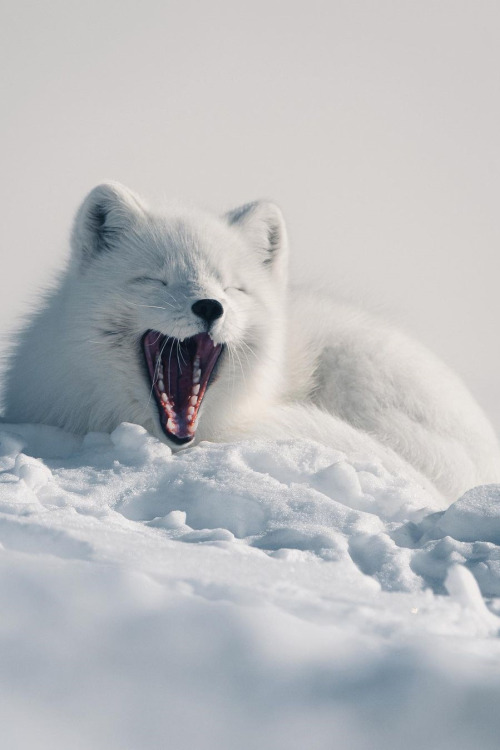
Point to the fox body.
(185, 323)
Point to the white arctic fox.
(184, 323)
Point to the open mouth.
(180, 373)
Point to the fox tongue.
(182, 386)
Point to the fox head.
(181, 313)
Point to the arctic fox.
(184, 322)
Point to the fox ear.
(107, 211)
(263, 225)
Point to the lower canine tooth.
(170, 424)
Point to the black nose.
(208, 309)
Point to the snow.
(475, 516)
(254, 595)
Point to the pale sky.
(374, 125)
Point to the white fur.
(295, 363)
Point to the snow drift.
(258, 594)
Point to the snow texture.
(252, 595)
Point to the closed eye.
(141, 279)
(236, 289)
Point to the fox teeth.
(170, 424)
(161, 385)
(190, 410)
(196, 375)
(196, 390)
(164, 398)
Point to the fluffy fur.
(295, 363)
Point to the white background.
(374, 125)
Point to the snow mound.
(475, 517)
(257, 594)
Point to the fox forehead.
(190, 248)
